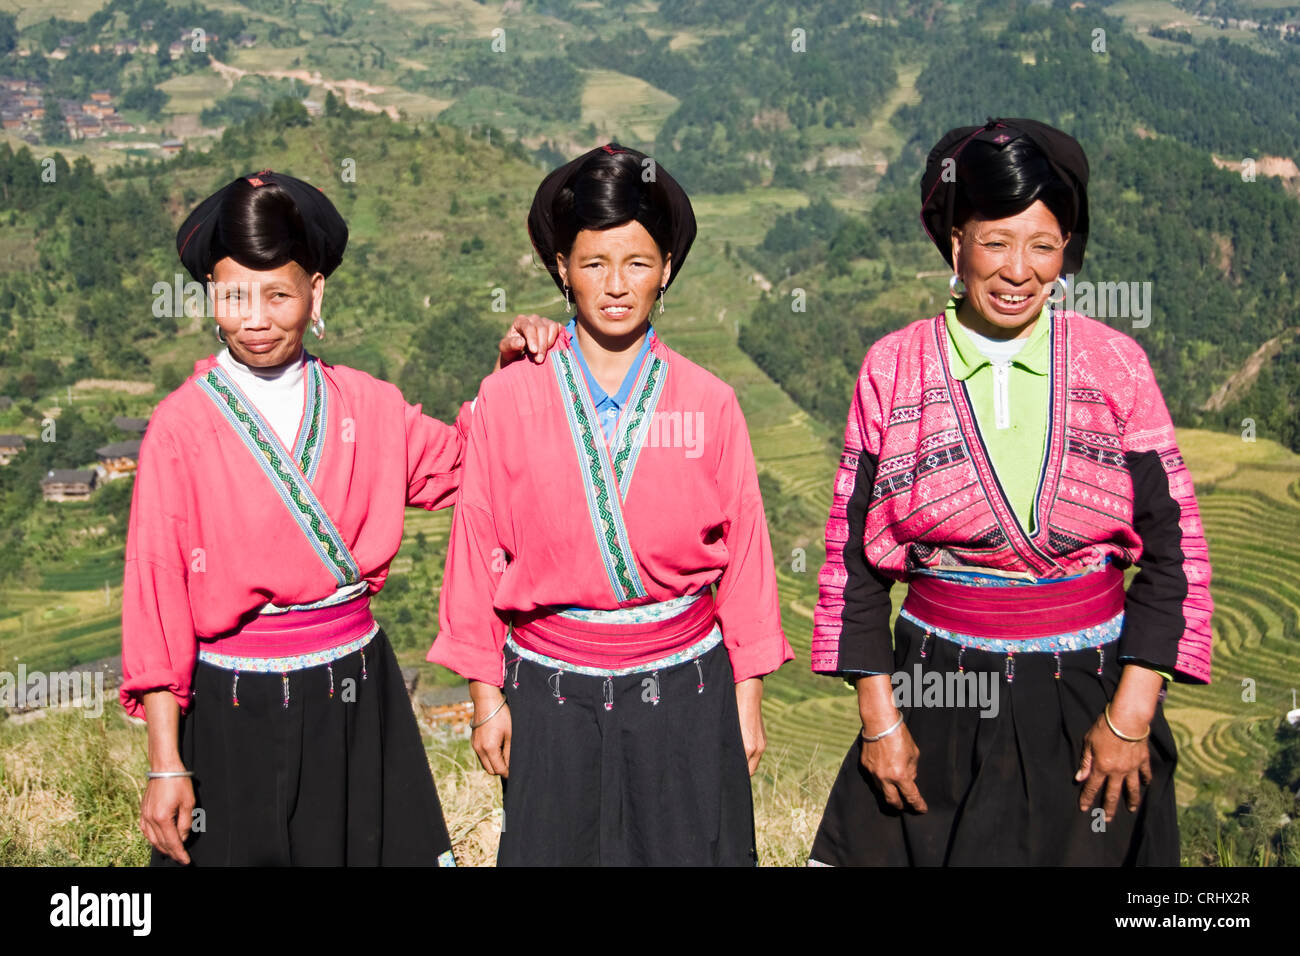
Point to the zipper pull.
(1001, 409)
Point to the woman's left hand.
(529, 335)
(749, 701)
(1111, 761)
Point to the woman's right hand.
(167, 814)
(167, 809)
(891, 761)
(491, 740)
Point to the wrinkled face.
(264, 313)
(615, 275)
(1009, 265)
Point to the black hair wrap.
(1063, 154)
(542, 227)
(325, 233)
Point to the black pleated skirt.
(324, 780)
(657, 778)
(1000, 789)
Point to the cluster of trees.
(8, 32)
(815, 234)
(253, 96)
(773, 72)
(1045, 64)
(536, 90)
(96, 250)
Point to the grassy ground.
(30, 12)
(624, 108)
(70, 790)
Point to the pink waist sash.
(609, 644)
(299, 632)
(1014, 612)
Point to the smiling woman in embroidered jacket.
(1007, 461)
(267, 506)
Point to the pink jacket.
(210, 538)
(915, 489)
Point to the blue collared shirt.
(608, 406)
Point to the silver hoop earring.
(221, 336)
(1057, 298)
(318, 327)
(953, 284)
(568, 306)
(661, 298)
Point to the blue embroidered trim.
(641, 614)
(707, 643)
(280, 665)
(970, 575)
(1094, 636)
(340, 596)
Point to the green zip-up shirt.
(1015, 451)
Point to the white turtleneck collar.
(276, 392)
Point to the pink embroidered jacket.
(680, 508)
(215, 531)
(915, 489)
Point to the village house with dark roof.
(119, 459)
(67, 484)
(11, 445)
(132, 426)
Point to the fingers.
(754, 755)
(530, 338)
(909, 792)
(893, 771)
(1085, 767)
(484, 760)
(1132, 783)
(158, 822)
(489, 755)
(492, 745)
(1090, 788)
(185, 815)
(890, 793)
(160, 810)
(147, 829)
(1114, 784)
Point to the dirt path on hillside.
(1244, 376)
(352, 92)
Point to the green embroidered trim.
(306, 514)
(305, 461)
(628, 444)
(607, 525)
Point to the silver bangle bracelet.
(489, 716)
(163, 774)
(898, 723)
